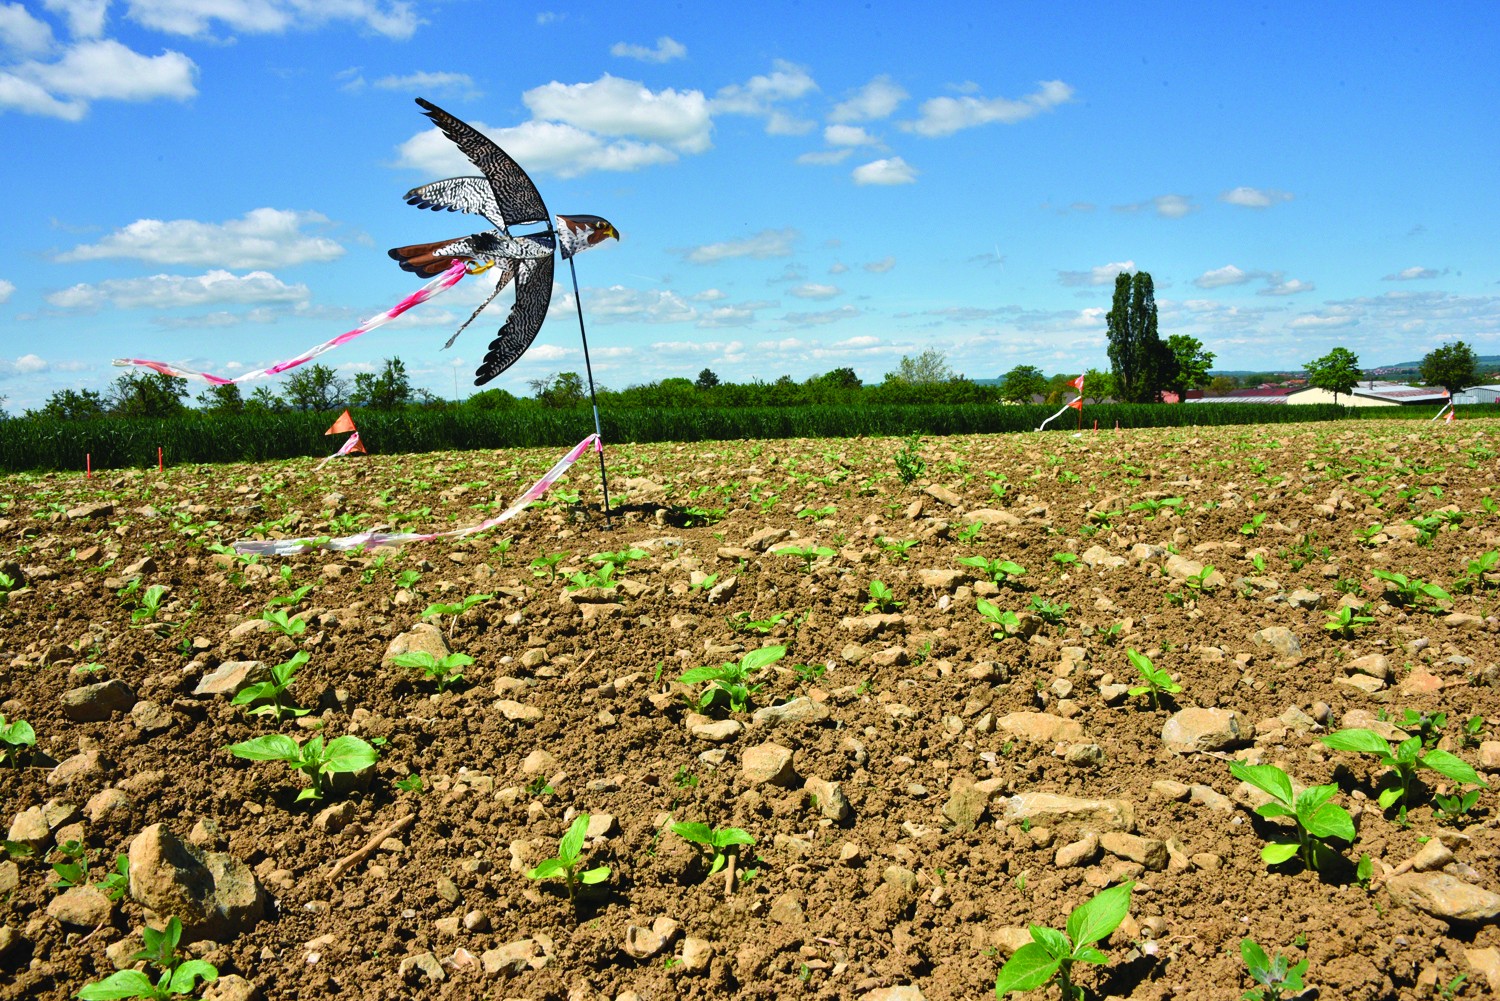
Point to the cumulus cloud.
(942, 116)
(263, 237)
(1276, 285)
(1411, 274)
(1327, 321)
(875, 100)
(1104, 274)
(1254, 198)
(812, 290)
(7, 289)
(85, 17)
(891, 170)
(1166, 206)
(391, 18)
(21, 33)
(666, 50)
(612, 106)
(825, 158)
(545, 147)
(1227, 275)
(171, 291)
(618, 304)
(822, 318)
(431, 83)
(786, 81)
(767, 243)
(848, 135)
(97, 70)
(881, 266)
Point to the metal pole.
(588, 367)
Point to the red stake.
(158, 459)
(88, 465)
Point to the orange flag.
(1450, 418)
(1077, 383)
(343, 425)
(1077, 404)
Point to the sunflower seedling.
(1346, 620)
(1157, 681)
(17, 741)
(179, 978)
(455, 609)
(149, 604)
(730, 679)
(273, 691)
(1048, 611)
(1000, 572)
(714, 840)
(314, 759)
(897, 548)
(279, 621)
(73, 868)
(291, 599)
(619, 560)
(807, 554)
(1316, 818)
(1410, 590)
(1008, 621)
(1050, 955)
(1404, 760)
(1474, 574)
(445, 672)
(1251, 528)
(881, 598)
(117, 884)
(1275, 976)
(569, 852)
(546, 566)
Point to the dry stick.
(390, 830)
(729, 874)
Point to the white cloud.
(839, 267)
(1254, 198)
(765, 244)
(1414, 273)
(453, 83)
(821, 318)
(848, 135)
(618, 304)
(21, 33)
(7, 289)
(263, 237)
(612, 106)
(780, 123)
(881, 266)
(709, 295)
(876, 99)
(892, 170)
(825, 158)
(1290, 286)
(545, 147)
(95, 71)
(170, 291)
(1334, 321)
(85, 17)
(29, 363)
(1173, 206)
(1227, 275)
(1104, 274)
(786, 81)
(813, 290)
(666, 50)
(391, 18)
(942, 116)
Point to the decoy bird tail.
(425, 258)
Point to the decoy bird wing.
(515, 195)
(533, 296)
(459, 194)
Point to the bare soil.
(911, 888)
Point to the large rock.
(1102, 559)
(1197, 729)
(829, 798)
(799, 710)
(1279, 639)
(1444, 896)
(96, 703)
(1041, 728)
(768, 763)
(232, 676)
(423, 637)
(1050, 809)
(212, 894)
(80, 907)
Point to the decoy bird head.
(589, 229)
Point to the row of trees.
(1451, 367)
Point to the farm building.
(1263, 394)
(1373, 393)
(1478, 394)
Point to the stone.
(424, 637)
(1376, 665)
(1050, 809)
(602, 825)
(829, 798)
(1489, 755)
(786, 909)
(1197, 729)
(1041, 728)
(85, 512)
(943, 580)
(1486, 963)
(696, 954)
(723, 590)
(81, 907)
(865, 626)
(80, 767)
(30, 828)
(992, 516)
(899, 877)
(1444, 896)
(98, 702)
(1433, 855)
(767, 763)
(518, 712)
(643, 943)
(231, 987)
(511, 958)
(539, 762)
(422, 966)
(766, 538)
(1361, 682)
(801, 710)
(1080, 852)
(1101, 559)
(1181, 568)
(214, 895)
(232, 676)
(1305, 599)
(1279, 640)
(150, 717)
(10, 877)
(906, 992)
(715, 731)
(1149, 852)
(966, 805)
(333, 819)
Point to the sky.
(798, 186)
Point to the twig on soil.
(729, 874)
(390, 830)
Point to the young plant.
(1008, 621)
(291, 599)
(1251, 528)
(1050, 955)
(569, 852)
(807, 554)
(898, 548)
(1152, 505)
(1473, 576)
(1275, 976)
(741, 622)
(273, 691)
(730, 679)
(179, 977)
(619, 560)
(149, 604)
(1199, 581)
(73, 868)
(999, 571)
(315, 760)
(713, 840)
(279, 621)
(881, 598)
(1048, 611)
(1316, 818)
(604, 578)
(455, 609)
(1455, 809)
(1346, 620)
(909, 462)
(1258, 562)
(547, 566)
(1065, 559)
(1410, 590)
(17, 741)
(706, 584)
(117, 884)
(969, 534)
(1404, 760)
(1157, 681)
(445, 672)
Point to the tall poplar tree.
(1143, 366)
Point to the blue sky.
(799, 186)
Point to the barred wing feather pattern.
(515, 196)
(533, 296)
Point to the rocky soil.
(921, 782)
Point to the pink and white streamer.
(371, 539)
(1064, 410)
(441, 283)
(344, 449)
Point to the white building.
(1373, 393)
(1478, 394)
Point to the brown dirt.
(909, 722)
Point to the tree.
(388, 390)
(222, 399)
(1142, 364)
(1021, 383)
(1191, 361)
(706, 379)
(558, 391)
(1452, 366)
(150, 394)
(316, 388)
(71, 405)
(1221, 385)
(840, 378)
(1337, 371)
(929, 366)
(1099, 386)
(265, 400)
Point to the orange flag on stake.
(343, 425)
(1077, 383)
(1077, 404)
(1450, 418)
